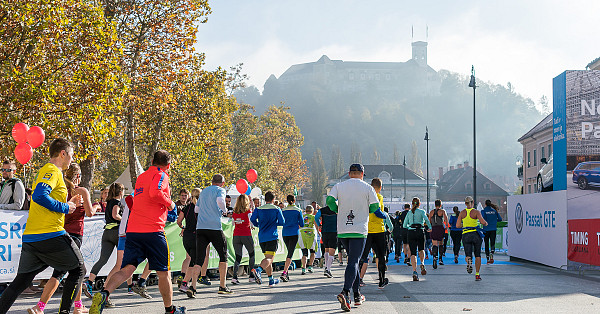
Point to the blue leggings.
(354, 248)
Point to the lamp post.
(472, 84)
(427, 141)
(404, 176)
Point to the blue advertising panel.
(559, 132)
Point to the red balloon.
(19, 132)
(242, 186)
(251, 175)
(35, 136)
(23, 153)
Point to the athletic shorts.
(204, 237)
(329, 240)
(416, 241)
(437, 233)
(60, 253)
(340, 246)
(121, 244)
(152, 246)
(269, 246)
(189, 244)
(404, 235)
(78, 239)
(472, 243)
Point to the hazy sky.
(526, 43)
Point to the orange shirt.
(151, 202)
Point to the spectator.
(12, 195)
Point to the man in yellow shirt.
(45, 241)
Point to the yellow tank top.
(469, 222)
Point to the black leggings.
(305, 252)
(239, 242)
(445, 244)
(456, 236)
(110, 240)
(290, 244)
(377, 242)
(490, 241)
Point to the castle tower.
(419, 52)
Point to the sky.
(526, 43)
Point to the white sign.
(12, 225)
(537, 227)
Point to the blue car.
(587, 174)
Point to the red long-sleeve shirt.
(152, 201)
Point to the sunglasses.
(7, 170)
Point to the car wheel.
(540, 185)
(582, 183)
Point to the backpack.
(27, 199)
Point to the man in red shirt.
(145, 234)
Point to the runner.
(242, 234)
(404, 234)
(438, 219)
(45, 241)
(74, 226)
(468, 220)
(290, 232)
(490, 214)
(145, 234)
(110, 237)
(327, 220)
(415, 222)
(267, 218)
(352, 200)
(397, 236)
(376, 239)
(308, 239)
(184, 199)
(341, 250)
(210, 208)
(446, 235)
(455, 233)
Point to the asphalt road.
(506, 287)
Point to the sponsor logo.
(519, 218)
(47, 176)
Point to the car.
(545, 177)
(587, 174)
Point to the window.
(529, 189)
(528, 159)
(487, 186)
(468, 187)
(535, 157)
(549, 149)
(543, 154)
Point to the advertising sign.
(537, 227)
(584, 241)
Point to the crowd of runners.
(354, 220)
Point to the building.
(457, 183)
(412, 76)
(394, 184)
(537, 144)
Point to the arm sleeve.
(317, 217)
(41, 195)
(499, 217)
(221, 204)
(389, 223)
(254, 218)
(405, 222)
(280, 218)
(378, 212)
(331, 202)
(159, 190)
(373, 200)
(374, 207)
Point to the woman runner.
(438, 219)
(242, 234)
(415, 221)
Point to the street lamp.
(427, 141)
(404, 176)
(472, 84)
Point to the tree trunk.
(155, 140)
(131, 148)
(87, 172)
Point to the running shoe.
(129, 290)
(435, 263)
(423, 270)
(384, 283)
(491, 260)
(225, 290)
(183, 288)
(441, 262)
(204, 280)
(477, 278)
(251, 279)
(87, 289)
(109, 303)
(179, 280)
(257, 276)
(99, 301)
(80, 310)
(341, 263)
(235, 281)
(177, 310)
(455, 259)
(344, 301)
(285, 277)
(328, 274)
(191, 292)
(143, 292)
(426, 256)
(359, 299)
(310, 269)
(361, 283)
(407, 261)
(469, 265)
(273, 282)
(303, 271)
(415, 276)
(34, 310)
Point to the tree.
(375, 158)
(355, 154)
(60, 70)
(337, 163)
(396, 160)
(414, 162)
(318, 176)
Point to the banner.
(538, 227)
(12, 225)
(584, 241)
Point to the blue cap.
(357, 167)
